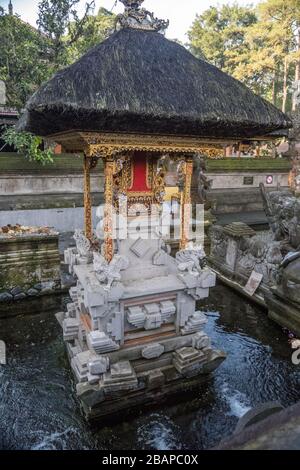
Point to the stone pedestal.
(132, 330)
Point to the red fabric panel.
(139, 173)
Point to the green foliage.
(56, 18)
(28, 57)
(22, 66)
(219, 30)
(28, 145)
(96, 29)
(259, 46)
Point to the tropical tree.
(260, 47)
(95, 30)
(283, 19)
(56, 18)
(219, 31)
(22, 64)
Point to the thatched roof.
(139, 81)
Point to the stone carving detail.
(283, 212)
(201, 340)
(83, 245)
(159, 258)
(187, 360)
(203, 183)
(121, 377)
(167, 309)
(274, 254)
(100, 342)
(138, 18)
(114, 327)
(288, 278)
(151, 316)
(153, 351)
(98, 365)
(140, 247)
(115, 316)
(191, 259)
(136, 316)
(70, 328)
(195, 323)
(260, 253)
(79, 364)
(109, 272)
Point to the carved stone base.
(131, 338)
(283, 312)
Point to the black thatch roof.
(139, 81)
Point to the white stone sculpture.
(191, 259)
(83, 245)
(109, 272)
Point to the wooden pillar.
(88, 228)
(108, 209)
(186, 204)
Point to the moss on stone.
(248, 164)
(11, 162)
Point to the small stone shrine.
(133, 330)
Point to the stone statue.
(283, 212)
(203, 183)
(191, 259)
(139, 18)
(83, 245)
(288, 277)
(109, 272)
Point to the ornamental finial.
(138, 18)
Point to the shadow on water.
(39, 410)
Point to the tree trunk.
(285, 84)
(274, 88)
(297, 69)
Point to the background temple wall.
(32, 194)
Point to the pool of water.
(39, 410)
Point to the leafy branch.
(27, 144)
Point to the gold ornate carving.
(87, 198)
(108, 210)
(186, 203)
(112, 145)
(88, 165)
(212, 152)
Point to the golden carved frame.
(115, 150)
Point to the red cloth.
(139, 174)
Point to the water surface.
(39, 410)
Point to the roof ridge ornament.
(139, 18)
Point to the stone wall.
(235, 182)
(13, 185)
(19, 176)
(29, 186)
(51, 195)
(29, 266)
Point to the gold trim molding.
(111, 145)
